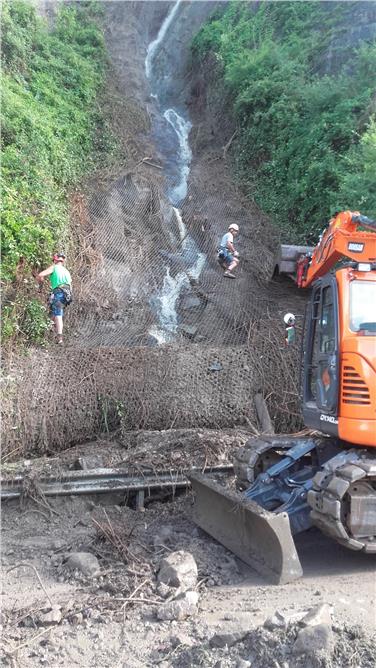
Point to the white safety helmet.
(289, 319)
(234, 226)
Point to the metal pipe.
(100, 481)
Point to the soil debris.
(345, 646)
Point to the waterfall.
(153, 46)
(182, 129)
(165, 300)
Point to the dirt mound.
(181, 448)
(138, 452)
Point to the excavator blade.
(260, 538)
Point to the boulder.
(179, 569)
(320, 614)
(85, 562)
(313, 639)
(180, 608)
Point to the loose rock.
(281, 620)
(54, 616)
(227, 638)
(85, 562)
(313, 639)
(89, 462)
(163, 537)
(320, 614)
(76, 619)
(182, 607)
(179, 569)
(164, 590)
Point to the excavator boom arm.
(342, 239)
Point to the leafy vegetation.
(302, 100)
(51, 79)
(25, 318)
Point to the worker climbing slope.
(61, 291)
(228, 257)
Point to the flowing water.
(155, 44)
(172, 133)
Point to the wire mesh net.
(157, 337)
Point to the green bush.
(25, 318)
(306, 139)
(51, 80)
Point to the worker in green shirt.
(61, 291)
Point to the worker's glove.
(236, 254)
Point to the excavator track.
(257, 455)
(343, 501)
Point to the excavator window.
(321, 352)
(363, 306)
(315, 341)
(327, 328)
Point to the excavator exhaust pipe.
(260, 538)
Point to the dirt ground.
(98, 625)
(55, 617)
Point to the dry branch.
(227, 146)
(263, 415)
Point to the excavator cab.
(320, 368)
(339, 355)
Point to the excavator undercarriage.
(287, 485)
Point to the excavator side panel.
(260, 538)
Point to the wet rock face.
(357, 21)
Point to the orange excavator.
(326, 478)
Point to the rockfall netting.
(156, 337)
